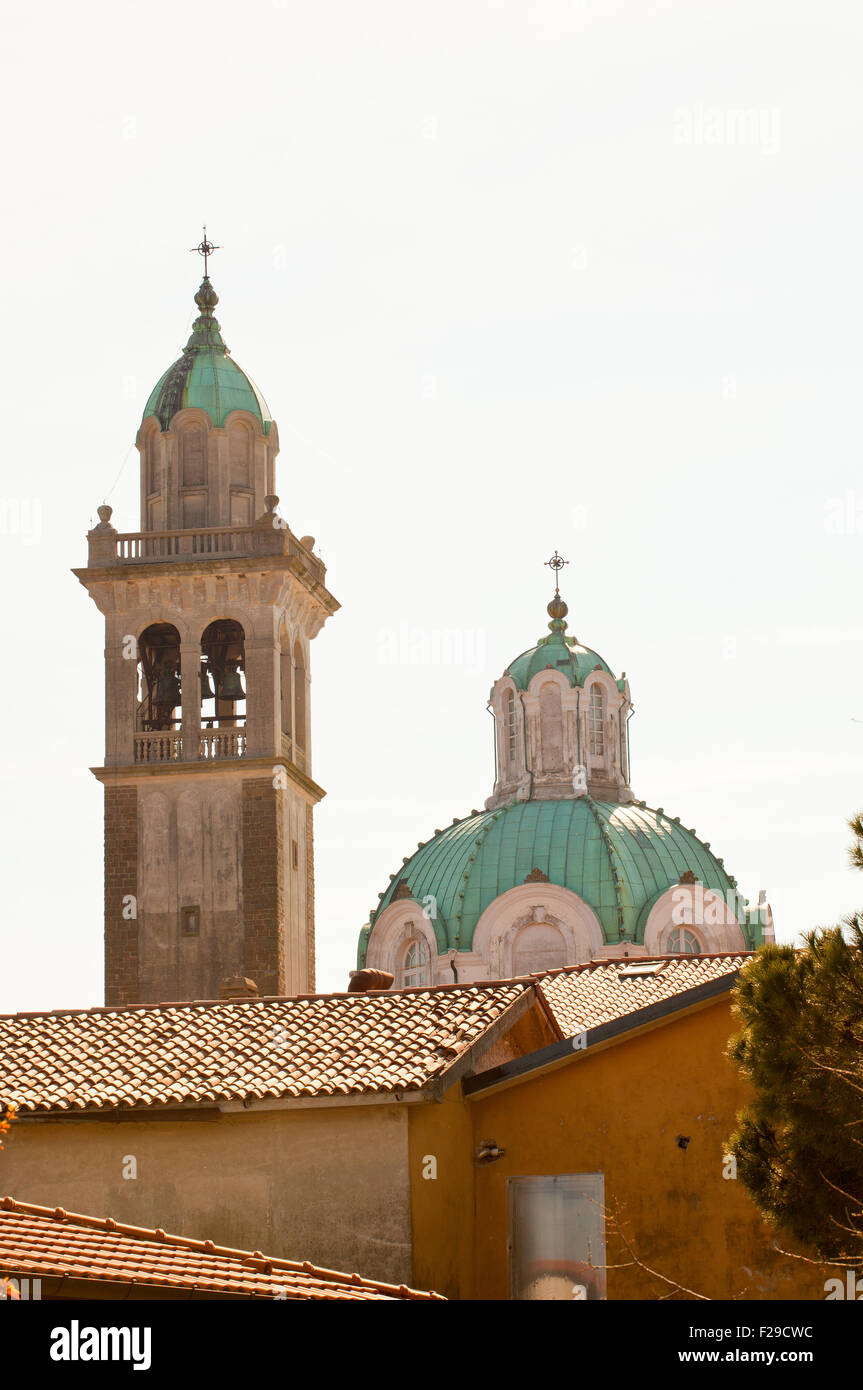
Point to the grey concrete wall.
(189, 856)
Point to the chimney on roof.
(362, 981)
(238, 987)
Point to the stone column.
(263, 703)
(121, 680)
(190, 680)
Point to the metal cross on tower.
(205, 248)
(556, 564)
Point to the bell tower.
(210, 610)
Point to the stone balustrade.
(159, 746)
(171, 545)
(222, 743)
(267, 536)
(166, 746)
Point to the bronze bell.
(207, 691)
(231, 688)
(168, 689)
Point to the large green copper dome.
(206, 375)
(618, 858)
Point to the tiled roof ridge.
(254, 1259)
(588, 965)
(352, 996)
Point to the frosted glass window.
(415, 964)
(557, 1237)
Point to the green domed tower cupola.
(206, 376)
(207, 440)
(564, 865)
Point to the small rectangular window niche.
(191, 921)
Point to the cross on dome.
(557, 609)
(206, 248)
(556, 564)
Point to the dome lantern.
(560, 720)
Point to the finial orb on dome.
(206, 298)
(557, 609)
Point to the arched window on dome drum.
(415, 963)
(551, 727)
(240, 446)
(158, 691)
(240, 451)
(192, 455)
(154, 464)
(595, 715)
(511, 729)
(681, 942)
(223, 663)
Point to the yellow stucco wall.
(618, 1112)
(326, 1185)
(442, 1198)
(443, 1216)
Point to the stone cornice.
(198, 567)
(132, 774)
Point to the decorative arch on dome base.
(699, 913)
(505, 936)
(399, 924)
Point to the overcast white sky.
(512, 276)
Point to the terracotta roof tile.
(46, 1243)
(585, 996)
(243, 1050)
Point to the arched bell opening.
(158, 692)
(223, 664)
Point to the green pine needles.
(799, 1144)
